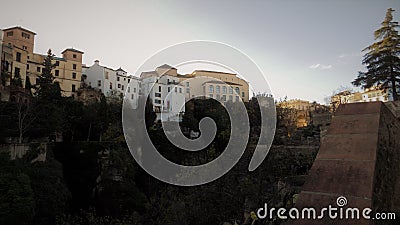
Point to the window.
(159, 88)
(56, 73)
(129, 89)
(211, 88)
(230, 98)
(187, 90)
(124, 79)
(132, 96)
(117, 78)
(169, 89)
(74, 66)
(223, 89)
(106, 75)
(158, 101)
(217, 89)
(211, 96)
(218, 97)
(73, 75)
(157, 95)
(237, 90)
(18, 57)
(237, 98)
(25, 35)
(122, 87)
(9, 34)
(187, 84)
(57, 63)
(134, 90)
(119, 85)
(17, 72)
(24, 47)
(243, 94)
(99, 83)
(74, 56)
(27, 66)
(230, 90)
(110, 85)
(129, 80)
(73, 88)
(180, 90)
(223, 98)
(176, 89)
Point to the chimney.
(96, 62)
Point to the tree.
(48, 99)
(45, 87)
(382, 59)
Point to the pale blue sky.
(305, 48)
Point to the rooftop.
(166, 66)
(120, 69)
(208, 71)
(72, 50)
(19, 28)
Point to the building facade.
(21, 61)
(165, 92)
(218, 85)
(368, 95)
(112, 82)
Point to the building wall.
(65, 73)
(20, 37)
(166, 94)
(229, 78)
(113, 82)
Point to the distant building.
(20, 60)
(374, 94)
(166, 93)
(112, 82)
(305, 112)
(368, 95)
(224, 86)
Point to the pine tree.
(382, 59)
(46, 88)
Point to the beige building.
(368, 95)
(303, 111)
(225, 86)
(29, 65)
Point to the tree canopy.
(382, 59)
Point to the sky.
(306, 49)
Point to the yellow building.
(27, 64)
(14, 54)
(301, 111)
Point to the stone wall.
(359, 159)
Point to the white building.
(111, 82)
(166, 94)
(374, 94)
